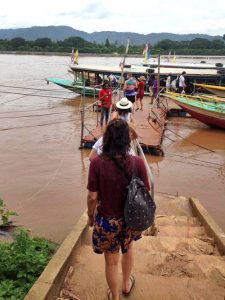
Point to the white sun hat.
(124, 103)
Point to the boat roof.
(185, 65)
(141, 69)
(109, 69)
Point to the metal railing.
(139, 151)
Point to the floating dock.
(149, 125)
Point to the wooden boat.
(214, 89)
(202, 108)
(77, 86)
(85, 75)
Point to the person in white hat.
(124, 108)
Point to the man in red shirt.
(105, 96)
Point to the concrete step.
(88, 280)
(182, 245)
(160, 288)
(178, 264)
(165, 220)
(181, 231)
(175, 206)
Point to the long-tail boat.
(214, 89)
(207, 109)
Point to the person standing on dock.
(105, 96)
(168, 82)
(106, 200)
(140, 91)
(123, 108)
(182, 84)
(153, 87)
(130, 88)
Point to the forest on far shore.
(198, 46)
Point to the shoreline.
(108, 55)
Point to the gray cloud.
(91, 11)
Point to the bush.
(21, 263)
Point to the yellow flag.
(76, 57)
(174, 58)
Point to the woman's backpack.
(139, 210)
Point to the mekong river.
(43, 173)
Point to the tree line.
(198, 46)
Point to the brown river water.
(43, 173)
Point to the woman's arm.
(93, 154)
(92, 198)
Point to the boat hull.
(212, 114)
(75, 87)
(211, 119)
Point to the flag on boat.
(174, 58)
(169, 56)
(76, 57)
(72, 56)
(146, 53)
(122, 63)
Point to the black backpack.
(139, 210)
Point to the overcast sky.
(146, 16)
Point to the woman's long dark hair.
(116, 140)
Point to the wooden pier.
(149, 125)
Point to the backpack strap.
(133, 167)
(123, 170)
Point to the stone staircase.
(178, 262)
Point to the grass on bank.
(21, 263)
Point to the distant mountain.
(58, 33)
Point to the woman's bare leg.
(111, 273)
(127, 265)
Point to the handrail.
(147, 167)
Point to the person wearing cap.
(130, 87)
(140, 91)
(123, 107)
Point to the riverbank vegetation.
(22, 258)
(198, 46)
(21, 263)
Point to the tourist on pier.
(182, 84)
(112, 80)
(123, 108)
(98, 79)
(105, 96)
(168, 82)
(140, 91)
(106, 200)
(130, 88)
(153, 87)
(175, 84)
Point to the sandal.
(109, 294)
(132, 279)
(137, 109)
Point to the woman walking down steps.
(177, 260)
(106, 190)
